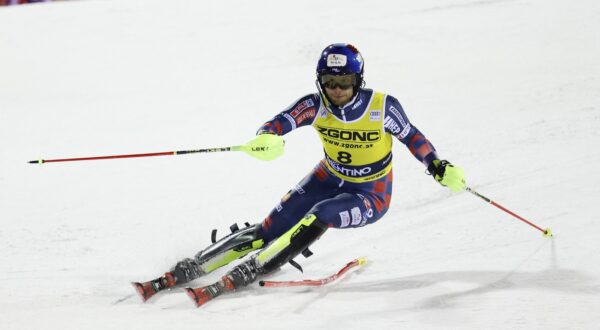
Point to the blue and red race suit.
(352, 186)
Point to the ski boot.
(238, 277)
(229, 248)
(276, 254)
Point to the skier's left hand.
(447, 174)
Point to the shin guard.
(289, 245)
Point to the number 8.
(344, 157)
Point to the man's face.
(339, 89)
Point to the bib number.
(344, 157)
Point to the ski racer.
(349, 188)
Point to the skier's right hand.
(265, 146)
(447, 174)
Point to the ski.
(147, 290)
(352, 264)
(144, 290)
(204, 294)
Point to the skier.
(351, 187)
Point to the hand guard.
(265, 146)
(447, 174)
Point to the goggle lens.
(343, 82)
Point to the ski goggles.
(343, 82)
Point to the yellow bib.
(358, 150)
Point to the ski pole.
(166, 153)
(547, 232)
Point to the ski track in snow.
(508, 90)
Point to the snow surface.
(508, 90)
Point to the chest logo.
(349, 135)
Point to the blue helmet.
(341, 59)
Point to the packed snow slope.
(508, 90)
